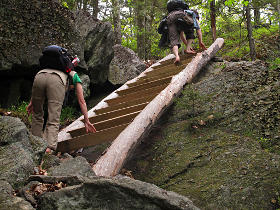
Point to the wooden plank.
(90, 139)
(184, 57)
(144, 86)
(147, 78)
(110, 163)
(126, 104)
(166, 71)
(116, 113)
(106, 124)
(133, 96)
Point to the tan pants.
(47, 86)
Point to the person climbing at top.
(187, 36)
(179, 10)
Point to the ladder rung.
(90, 139)
(133, 96)
(126, 104)
(106, 124)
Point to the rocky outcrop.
(221, 148)
(26, 27)
(20, 151)
(124, 66)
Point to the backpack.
(163, 28)
(56, 57)
(173, 5)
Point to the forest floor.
(220, 149)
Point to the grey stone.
(116, 193)
(20, 151)
(72, 167)
(124, 66)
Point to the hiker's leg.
(174, 35)
(183, 38)
(38, 99)
(55, 95)
(189, 36)
(189, 47)
(175, 50)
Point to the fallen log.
(122, 147)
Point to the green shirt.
(76, 79)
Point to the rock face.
(26, 27)
(221, 149)
(20, 151)
(124, 66)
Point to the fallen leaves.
(40, 171)
(127, 173)
(40, 188)
(5, 113)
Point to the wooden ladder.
(126, 115)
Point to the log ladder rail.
(127, 115)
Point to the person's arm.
(80, 96)
(201, 44)
(29, 108)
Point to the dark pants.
(175, 28)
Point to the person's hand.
(202, 46)
(90, 127)
(29, 108)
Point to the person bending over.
(50, 85)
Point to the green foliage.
(275, 64)
(21, 107)
(65, 4)
(70, 4)
(19, 111)
(270, 145)
(68, 113)
(140, 20)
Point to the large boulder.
(27, 26)
(75, 186)
(116, 193)
(124, 66)
(20, 151)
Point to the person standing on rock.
(50, 84)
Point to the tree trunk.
(149, 32)
(117, 21)
(85, 4)
(95, 8)
(113, 160)
(250, 34)
(213, 19)
(140, 23)
(278, 10)
(257, 16)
